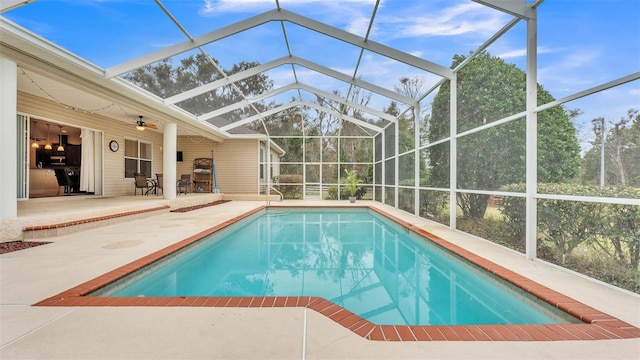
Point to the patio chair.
(63, 181)
(141, 182)
(184, 184)
(159, 180)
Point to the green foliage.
(489, 89)
(434, 205)
(599, 265)
(166, 79)
(564, 225)
(351, 182)
(332, 193)
(290, 185)
(514, 210)
(492, 228)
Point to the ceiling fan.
(141, 125)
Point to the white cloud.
(460, 19)
(217, 6)
(570, 72)
(359, 26)
(517, 53)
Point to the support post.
(453, 150)
(169, 143)
(531, 138)
(8, 138)
(416, 159)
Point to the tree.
(622, 151)
(489, 89)
(165, 79)
(415, 88)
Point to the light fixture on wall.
(60, 147)
(140, 124)
(35, 144)
(48, 146)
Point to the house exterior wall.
(236, 162)
(236, 159)
(115, 184)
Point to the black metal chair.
(184, 184)
(159, 180)
(63, 181)
(141, 182)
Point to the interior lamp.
(35, 144)
(48, 146)
(60, 147)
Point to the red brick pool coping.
(597, 325)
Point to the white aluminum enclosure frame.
(519, 9)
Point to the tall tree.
(489, 89)
(622, 151)
(166, 79)
(414, 88)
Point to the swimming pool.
(353, 258)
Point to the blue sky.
(581, 43)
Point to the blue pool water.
(355, 258)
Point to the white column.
(532, 138)
(169, 141)
(9, 155)
(416, 159)
(453, 150)
(383, 178)
(396, 163)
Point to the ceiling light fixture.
(35, 144)
(48, 146)
(140, 124)
(60, 147)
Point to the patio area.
(31, 275)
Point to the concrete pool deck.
(34, 274)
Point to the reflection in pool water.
(354, 258)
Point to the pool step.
(51, 230)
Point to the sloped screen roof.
(314, 64)
(233, 63)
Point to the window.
(261, 163)
(137, 158)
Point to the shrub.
(290, 185)
(434, 205)
(491, 228)
(332, 193)
(610, 232)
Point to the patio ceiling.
(303, 78)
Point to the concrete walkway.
(30, 275)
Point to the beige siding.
(114, 181)
(236, 162)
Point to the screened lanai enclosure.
(505, 119)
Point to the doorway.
(63, 160)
